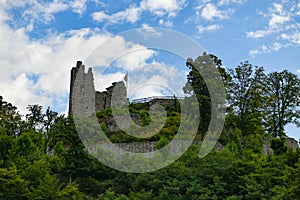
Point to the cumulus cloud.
(39, 71)
(48, 61)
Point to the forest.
(42, 156)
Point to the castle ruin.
(91, 101)
(99, 100)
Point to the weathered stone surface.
(82, 94)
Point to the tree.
(10, 119)
(196, 85)
(245, 94)
(283, 101)
(12, 185)
(35, 117)
(50, 117)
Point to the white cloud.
(298, 71)
(21, 91)
(275, 46)
(254, 52)
(278, 15)
(162, 7)
(147, 79)
(129, 15)
(170, 8)
(38, 72)
(210, 12)
(100, 16)
(277, 8)
(202, 29)
(103, 81)
(34, 11)
(78, 6)
(135, 58)
(166, 23)
(155, 79)
(43, 12)
(278, 20)
(227, 2)
(294, 38)
(149, 32)
(259, 33)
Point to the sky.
(42, 39)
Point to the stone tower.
(82, 91)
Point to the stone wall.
(145, 147)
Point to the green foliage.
(12, 185)
(283, 92)
(278, 146)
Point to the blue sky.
(41, 40)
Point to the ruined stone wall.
(144, 147)
(117, 93)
